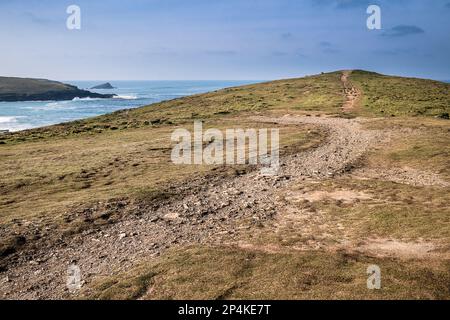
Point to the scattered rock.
(122, 235)
(171, 216)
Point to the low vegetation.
(233, 273)
(390, 96)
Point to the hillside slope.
(358, 186)
(377, 95)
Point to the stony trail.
(213, 211)
(351, 93)
(213, 214)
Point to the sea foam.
(8, 119)
(125, 97)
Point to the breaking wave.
(125, 97)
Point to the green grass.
(397, 96)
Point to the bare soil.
(351, 92)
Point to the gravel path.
(218, 211)
(351, 93)
(212, 211)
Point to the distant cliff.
(26, 89)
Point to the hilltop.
(365, 180)
(27, 89)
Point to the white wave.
(8, 119)
(17, 127)
(85, 99)
(55, 105)
(125, 96)
(10, 123)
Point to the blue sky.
(222, 39)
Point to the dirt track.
(213, 214)
(351, 93)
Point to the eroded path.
(218, 211)
(351, 92)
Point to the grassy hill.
(384, 96)
(27, 89)
(30, 86)
(69, 180)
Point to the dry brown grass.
(419, 143)
(391, 210)
(232, 273)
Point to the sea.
(15, 116)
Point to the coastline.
(19, 116)
(128, 97)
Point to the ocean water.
(15, 116)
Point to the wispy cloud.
(287, 36)
(402, 31)
(395, 52)
(221, 39)
(325, 44)
(221, 52)
(279, 53)
(328, 47)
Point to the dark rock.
(444, 115)
(106, 85)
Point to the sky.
(222, 39)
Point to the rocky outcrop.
(106, 85)
(26, 89)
